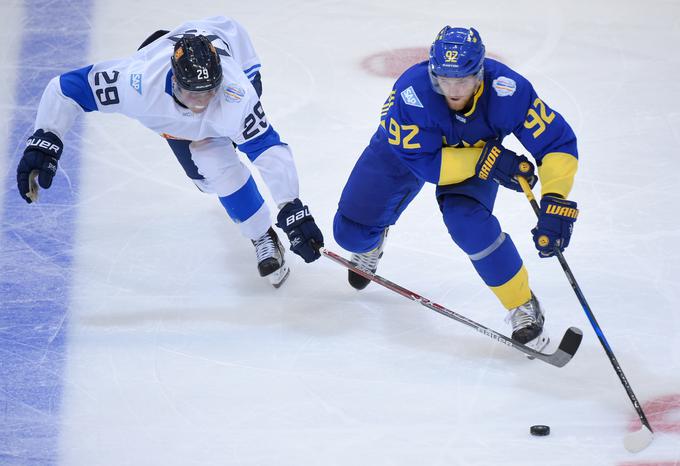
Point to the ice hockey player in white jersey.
(198, 86)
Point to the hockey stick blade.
(638, 440)
(568, 345)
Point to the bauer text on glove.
(305, 237)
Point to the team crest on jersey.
(136, 82)
(504, 86)
(410, 97)
(233, 92)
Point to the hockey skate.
(527, 325)
(270, 258)
(367, 261)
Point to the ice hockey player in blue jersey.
(198, 86)
(444, 122)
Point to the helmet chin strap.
(174, 94)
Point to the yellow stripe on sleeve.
(557, 173)
(458, 164)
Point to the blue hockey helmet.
(456, 53)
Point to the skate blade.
(356, 281)
(538, 344)
(278, 276)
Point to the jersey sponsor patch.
(136, 82)
(410, 97)
(504, 86)
(233, 92)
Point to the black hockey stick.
(568, 346)
(634, 441)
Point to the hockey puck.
(540, 430)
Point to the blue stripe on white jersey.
(250, 71)
(75, 85)
(254, 148)
(168, 82)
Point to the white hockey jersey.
(140, 86)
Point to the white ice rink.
(173, 351)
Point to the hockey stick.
(568, 346)
(33, 187)
(634, 441)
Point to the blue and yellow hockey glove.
(502, 165)
(555, 224)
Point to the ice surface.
(145, 335)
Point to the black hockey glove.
(41, 154)
(305, 237)
(503, 165)
(555, 224)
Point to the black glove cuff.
(46, 142)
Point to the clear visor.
(195, 100)
(454, 87)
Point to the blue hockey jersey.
(442, 146)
